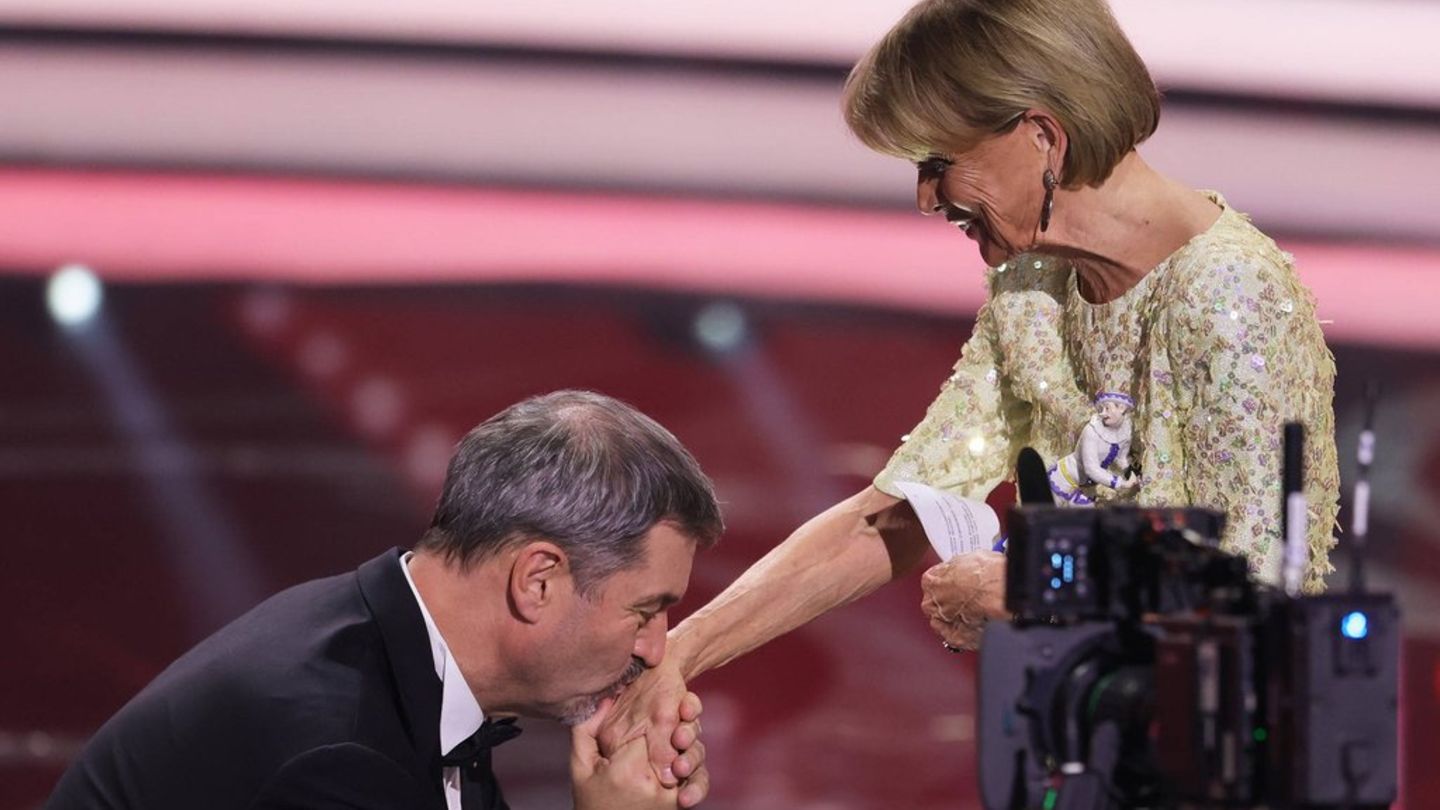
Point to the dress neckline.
(1138, 289)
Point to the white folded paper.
(954, 525)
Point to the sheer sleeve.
(1013, 386)
(964, 442)
(1249, 356)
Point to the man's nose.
(650, 644)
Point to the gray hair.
(584, 471)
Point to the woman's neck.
(1116, 233)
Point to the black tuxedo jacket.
(323, 696)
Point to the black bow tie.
(490, 734)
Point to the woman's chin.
(992, 253)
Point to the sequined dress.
(1218, 344)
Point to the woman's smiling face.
(993, 191)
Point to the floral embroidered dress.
(1218, 345)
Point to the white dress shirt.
(460, 713)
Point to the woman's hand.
(623, 780)
(624, 777)
(658, 710)
(963, 594)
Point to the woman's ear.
(539, 579)
(1049, 137)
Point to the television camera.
(1146, 668)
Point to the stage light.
(323, 355)
(267, 311)
(74, 295)
(721, 327)
(427, 454)
(377, 405)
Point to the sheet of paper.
(954, 525)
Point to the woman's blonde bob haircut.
(955, 71)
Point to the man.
(566, 528)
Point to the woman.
(1023, 118)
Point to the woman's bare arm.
(838, 556)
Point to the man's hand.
(963, 594)
(689, 766)
(651, 708)
(622, 781)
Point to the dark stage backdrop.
(202, 446)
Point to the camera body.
(1146, 668)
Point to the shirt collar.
(460, 712)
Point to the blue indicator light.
(1355, 625)
(1055, 583)
(1069, 569)
(1055, 561)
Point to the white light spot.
(323, 355)
(376, 406)
(74, 295)
(266, 311)
(950, 727)
(427, 455)
(39, 745)
(721, 327)
(977, 445)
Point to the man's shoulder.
(346, 774)
(315, 619)
(298, 661)
(297, 673)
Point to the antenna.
(1360, 520)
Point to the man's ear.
(539, 578)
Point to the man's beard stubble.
(582, 708)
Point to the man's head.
(586, 513)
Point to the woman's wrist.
(680, 650)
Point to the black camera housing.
(1146, 668)
(1067, 565)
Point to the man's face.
(610, 637)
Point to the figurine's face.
(1112, 413)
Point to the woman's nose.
(927, 196)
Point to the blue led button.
(1355, 625)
